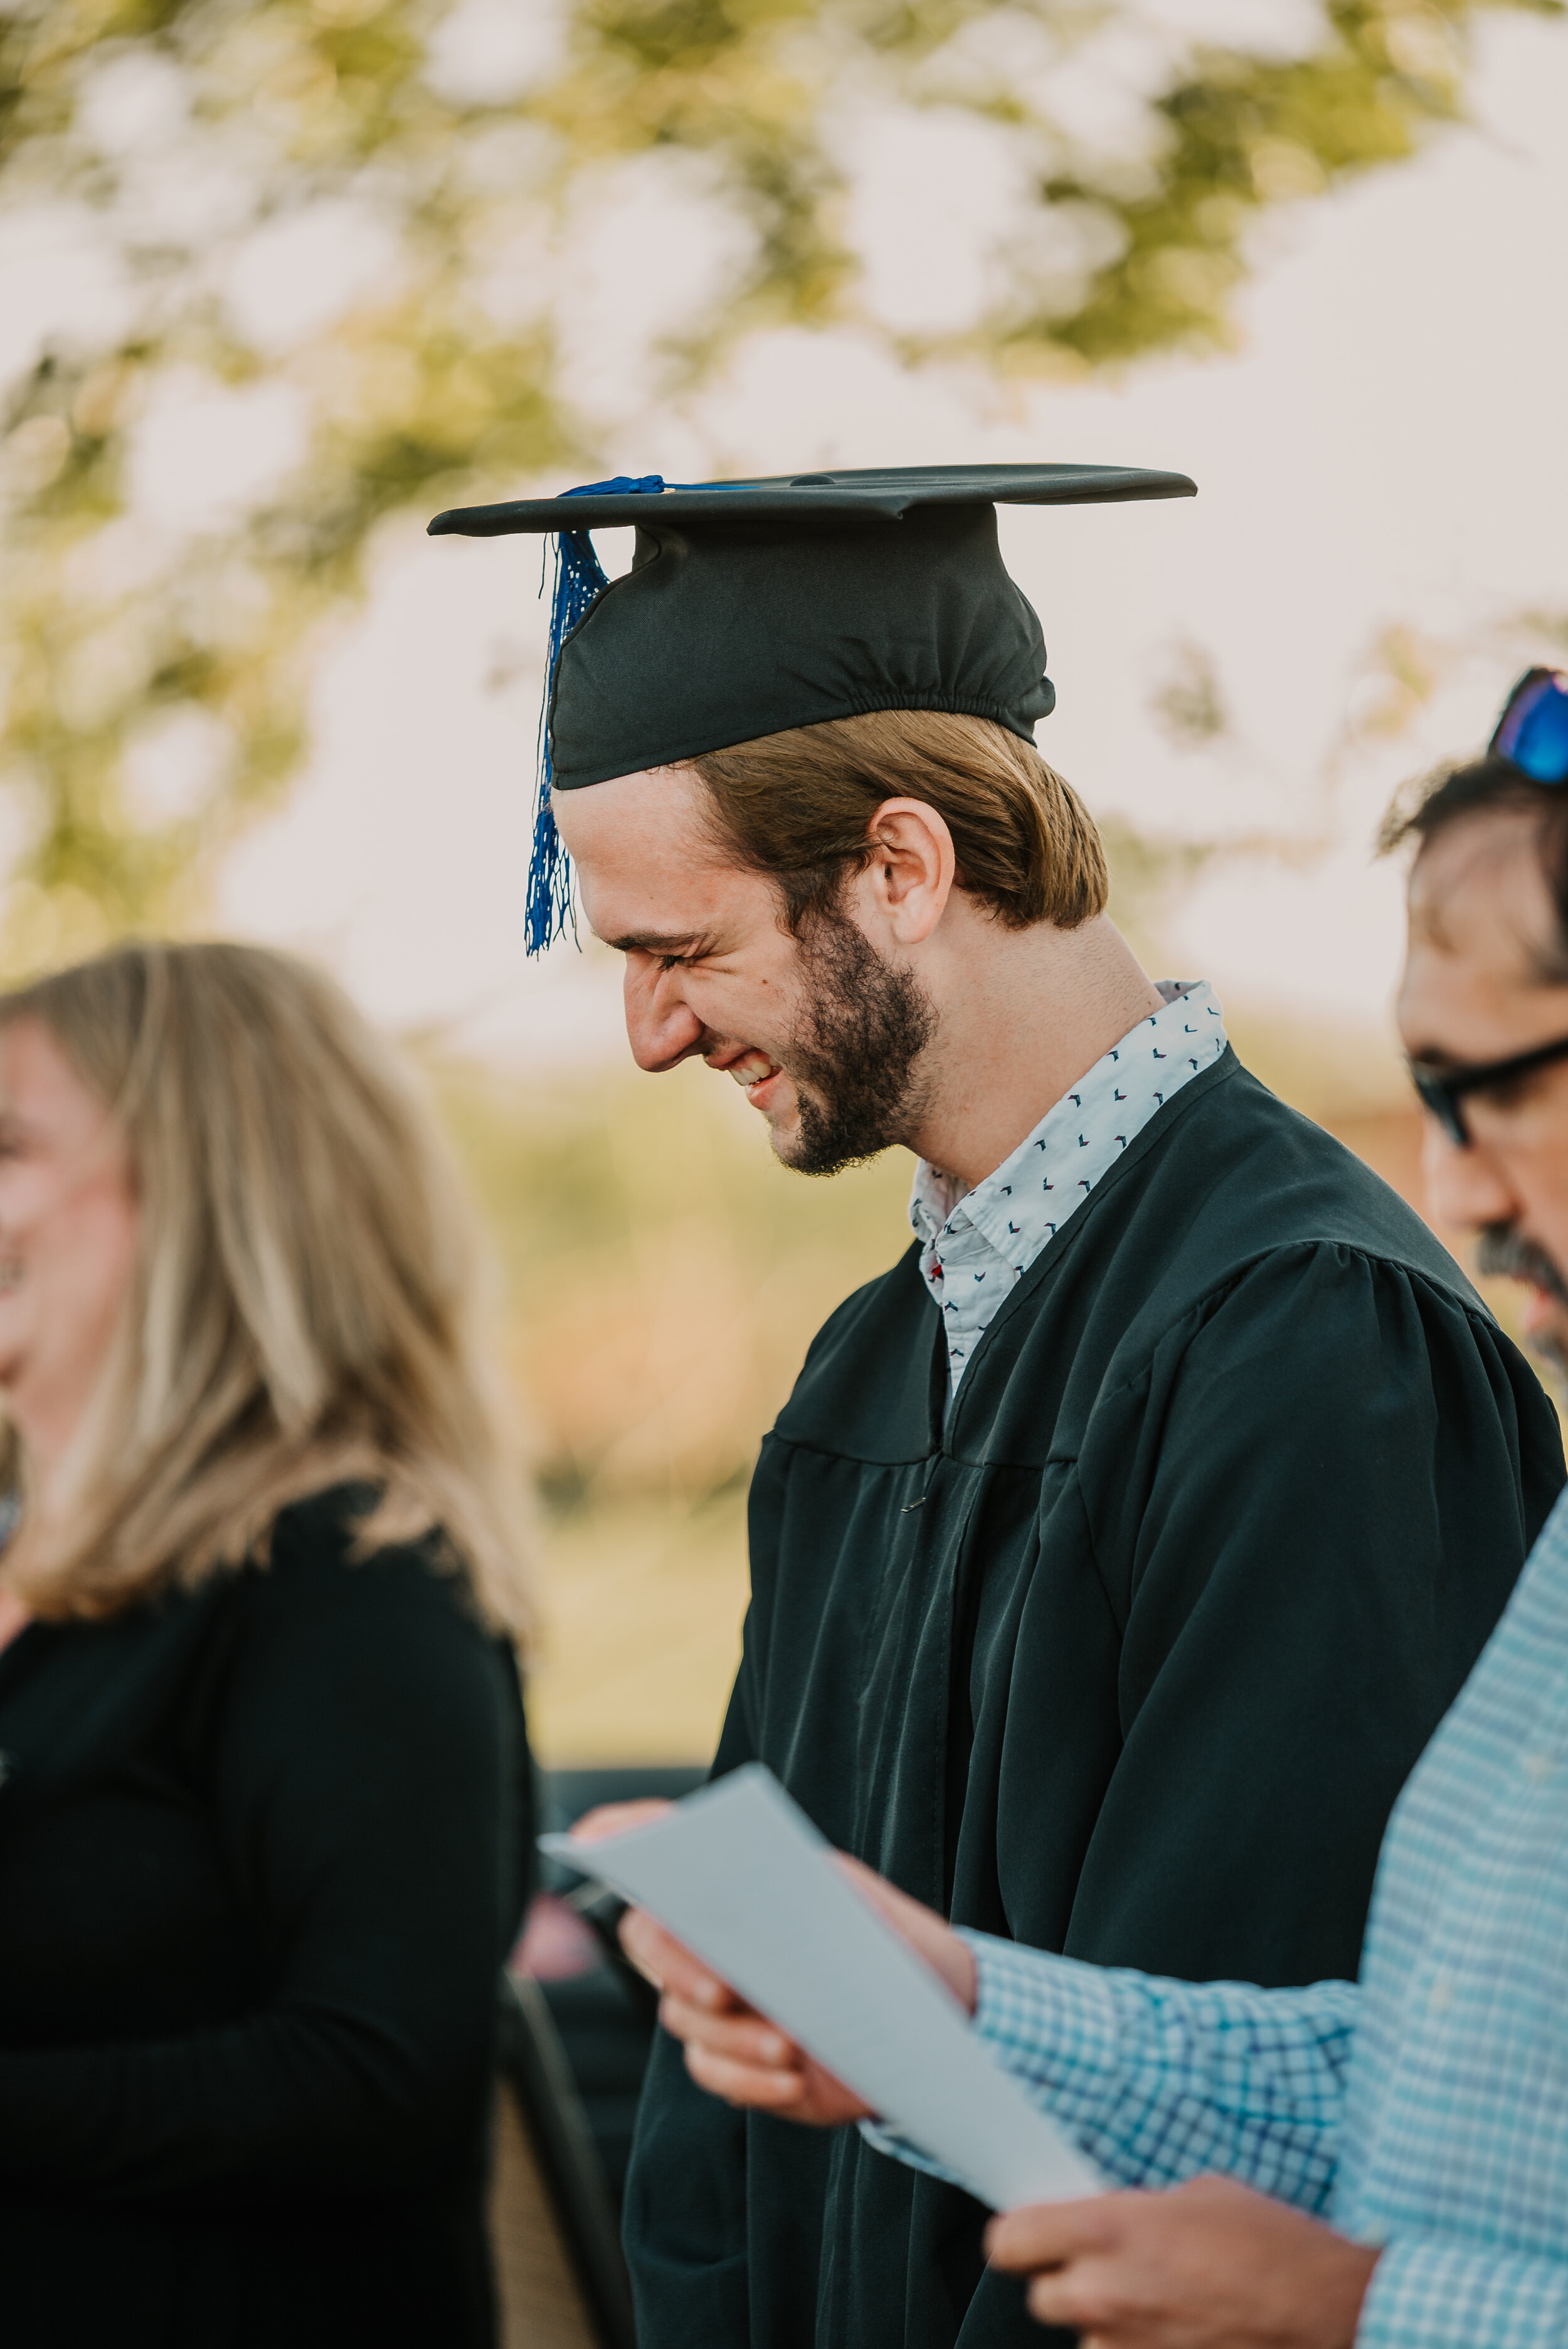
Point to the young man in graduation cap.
(1119, 1549)
(1393, 2150)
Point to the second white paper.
(739, 1874)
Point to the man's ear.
(913, 870)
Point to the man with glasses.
(1394, 2152)
(1484, 1003)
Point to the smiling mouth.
(753, 1069)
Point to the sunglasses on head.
(1532, 733)
(1533, 728)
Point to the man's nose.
(1466, 1189)
(661, 1026)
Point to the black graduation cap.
(755, 606)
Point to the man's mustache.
(1503, 1249)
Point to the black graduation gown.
(1130, 1661)
(263, 1849)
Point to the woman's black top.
(262, 1851)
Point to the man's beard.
(1504, 1249)
(854, 1063)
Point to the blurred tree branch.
(188, 140)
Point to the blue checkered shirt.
(1426, 2109)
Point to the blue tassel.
(578, 580)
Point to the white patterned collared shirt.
(1425, 2109)
(976, 1245)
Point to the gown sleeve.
(365, 1753)
(1307, 1512)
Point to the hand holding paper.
(735, 2052)
(740, 1875)
(731, 2050)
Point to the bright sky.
(1387, 445)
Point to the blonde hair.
(303, 1313)
(798, 805)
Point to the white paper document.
(739, 1874)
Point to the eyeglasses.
(1443, 1091)
(1533, 728)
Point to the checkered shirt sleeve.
(1160, 2080)
(1435, 2295)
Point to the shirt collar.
(938, 1200)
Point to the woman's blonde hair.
(304, 1311)
(797, 806)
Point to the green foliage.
(440, 376)
(1242, 134)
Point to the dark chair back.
(559, 2276)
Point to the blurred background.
(280, 280)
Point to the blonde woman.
(264, 1820)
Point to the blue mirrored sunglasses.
(1533, 728)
